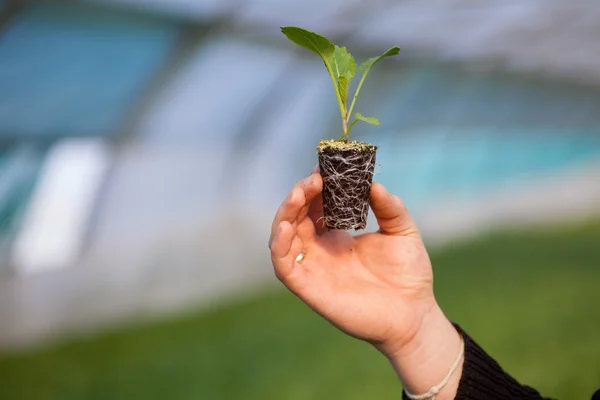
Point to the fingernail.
(309, 181)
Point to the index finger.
(297, 202)
(315, 211)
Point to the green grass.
(532, 300)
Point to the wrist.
(426, 359)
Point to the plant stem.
(362, 80)
(350, 127)
(343, 111)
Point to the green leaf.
(310, 40)
(344, 69)
(359, 117)
(367, 65)
(343, 62)
(338, 61)
(343, 84)
(368, 120)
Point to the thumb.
(392, 216)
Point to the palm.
(366, 285)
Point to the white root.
(347, 180)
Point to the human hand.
(376, 287)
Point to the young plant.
(347, 167)
(341, 67)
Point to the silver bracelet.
(430, 395)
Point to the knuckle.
(278, 275)
(399, 202)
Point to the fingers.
(295, 207)
(315, 212)
(285, 247)
(306, 227)
(392, 216)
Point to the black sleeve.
(483, 378)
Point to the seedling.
(347, 166)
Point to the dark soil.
(347, 173)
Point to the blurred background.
(145, 145)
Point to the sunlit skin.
(377, 287)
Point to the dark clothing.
(483, 379)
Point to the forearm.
(427, 359)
